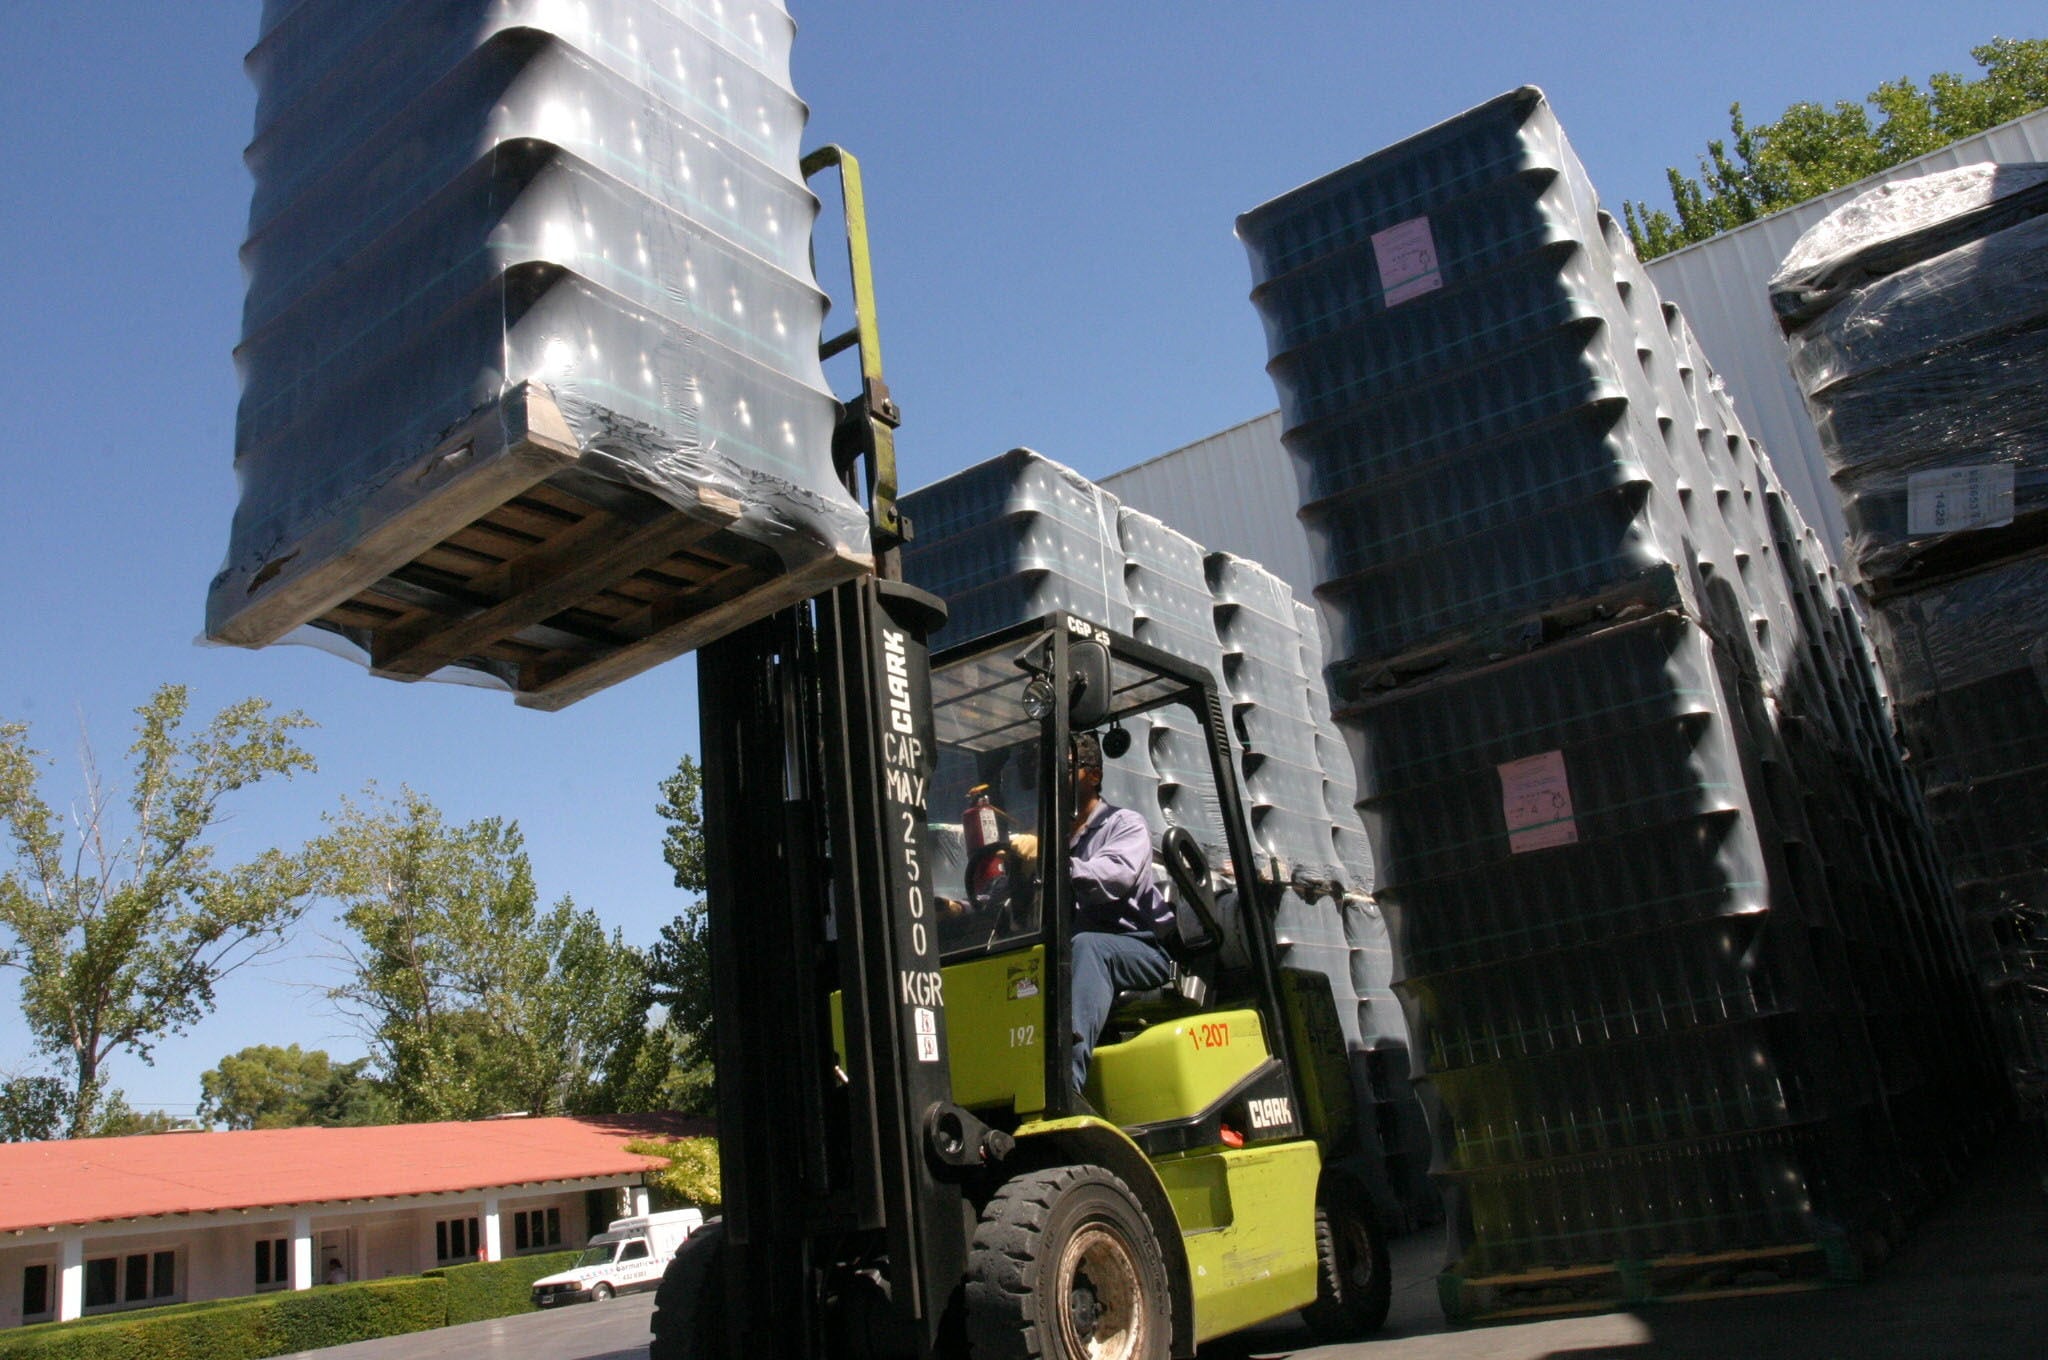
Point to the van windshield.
(596, 1254)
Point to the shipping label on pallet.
(1536, 800)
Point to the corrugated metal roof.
(97, 1180)
(1721, 287)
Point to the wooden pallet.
(1664, 1279)
(499, 552)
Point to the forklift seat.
(1187, 987)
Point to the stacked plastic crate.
(1018, 536)
(1917, 318)
(495, 242)
(1595, 675)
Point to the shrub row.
(302, 1320)
(243, 1329)
(490, 1289)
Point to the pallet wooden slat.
(559, 587)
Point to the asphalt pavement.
(613, 1330)
(1971, 1283)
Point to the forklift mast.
(817, 750)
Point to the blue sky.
(1052, 188)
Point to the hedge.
(495, 1289)
(243, 1329)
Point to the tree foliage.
(679, 964)
(692, 1175)
(121, 936)
(267, 1087)
(1810, 149)
(32, 1109)
(473, 999)
(116, 1118)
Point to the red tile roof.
(95, 1180)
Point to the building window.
(456, 1239)
(273, 1265)
(536, 1229)
(35, 1293)
(132, 1280)
(101, 1275)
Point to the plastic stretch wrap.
(600, 201)
(1969, 666)
(1498, 428)
(1269, 709)
(1634, 817)
(1900, 224)
(1981, 287)
(1014, 538)
(1372, 972)
(428, 52)
(1925, 386)
(1943, 637)
(1350, 845)
(1621, 751)
(1741, 1077)
(1171, 610)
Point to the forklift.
(909, 1170)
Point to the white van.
(630, 1254)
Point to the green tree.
(692, 1176)
(474, 1000)
(32, 1109)
(122, 937)
(679, 963)
(267, 1087)
(1810, 149)
(116, 1118)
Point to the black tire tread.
(1340, 1312)
(689, 1304)
(1002, 1305)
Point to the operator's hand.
(1025, 844)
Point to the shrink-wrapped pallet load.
(1918, 320)
(1636, 817)
(1019, 536)
(530, 346)
(1917, 323)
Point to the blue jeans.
(1105, 964)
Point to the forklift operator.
(1120, 915)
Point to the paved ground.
(613, 1330)
(1971, 1284)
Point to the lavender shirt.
(1110, 862)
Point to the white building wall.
(216, 1253)
(1721, 286)
(15, 1257)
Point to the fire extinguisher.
(978, 822)
(978, 831)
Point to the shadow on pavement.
(1971, 1283)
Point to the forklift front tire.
(689, 1305)
(1065, 1266)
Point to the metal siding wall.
(1721, 287)
(1233, 492)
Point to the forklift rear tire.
(689, 1304)
(1065, 1266)
(1354, 1280)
